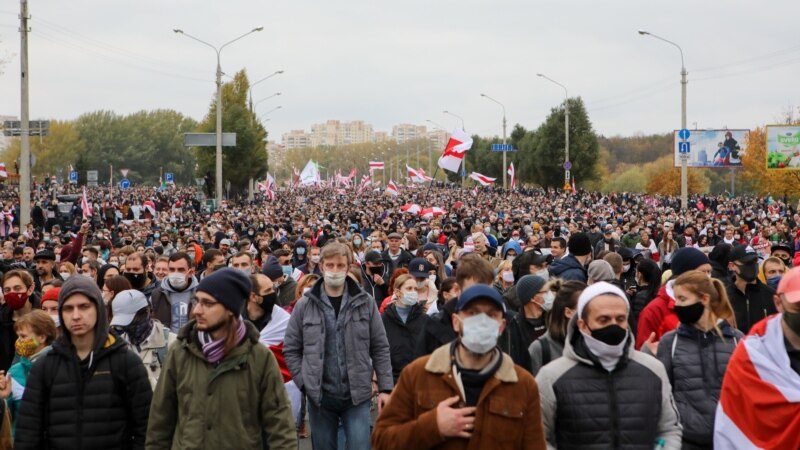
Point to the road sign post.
(124, 184)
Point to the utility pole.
(25, 147)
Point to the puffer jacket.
(403, 336)
(585, 406)
(568, 268)
(695, 362)
(658, 316)
(100, 406)
(365, 343)
(197, 405)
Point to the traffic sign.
(73, 177)
(502, 148)
(683, 134)
(567, 165)
(169, 177)
(684, 148)
(124, 172)
(91, 178)
(124, 184)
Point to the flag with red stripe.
(759, 403)
(482, 179)
(376, 165)
(454, 151)
(391, 189)
(85, 205)
(513, 176)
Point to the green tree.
(54, 152)
(248, 159)
(543, 154)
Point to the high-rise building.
(296, 139)
(408, 132)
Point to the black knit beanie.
(229, 287)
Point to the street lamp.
(684, 157)
(456, 116)
(505, 164)
(277, 72)
(268, 112)
(218, 50)
(567, 164)
(265, 98)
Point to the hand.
(5, 385)
(651, 343)
(377, 279)
(455, 422)
(383, 400)
(84, 228)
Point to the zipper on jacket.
(749, 322)
(613, 410)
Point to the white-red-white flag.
(3, 171)
(151, 207)
(417, 175)
(411, 208)
(573, 186)
(365, 181)
(85, 205)
(430, 213)
(513, 176)
(376, 165)
(482, 179)
(391, 188)
(454, 151)
(270, 187)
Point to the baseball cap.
(419, 267)
(479, 292)
(125, 306)
(789, 286)
(608, 229)
(45, 254)
(743, 253)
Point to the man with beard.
(135, 272)
(784, 251)
(220, 387)
(751, 299)
(45, 269)
(466, 390)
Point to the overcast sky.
(389, 62)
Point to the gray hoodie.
(87, 287)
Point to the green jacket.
(199, 406)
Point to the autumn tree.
(665, 179)
(762, 180)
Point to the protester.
(573, 265)
(172, 301)
(551, 344)
(752, 300)
(19, 299)
(602, 392)
(220, 388)
(431, 410)
(404, 321)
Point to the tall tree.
(54, 152)
(248, 159)
(763, 180)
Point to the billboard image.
(783, 147)
(712, 148)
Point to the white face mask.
(626, 268)
(56, 319)
(305, 290)
(549, 298)
(508, 277)
(479, 333)
(409, 298)
(315, 259)
(543, 274)
(177, 280)
(422, 284)
(64, 275)
(335, 279)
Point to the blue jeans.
(325, 419)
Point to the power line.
(749, 60)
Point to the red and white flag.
(474, 191)
(430, 213)
(295, 176)
(365, 182)
(454, 151)
(376, 165)
(418, 175)
(482, 179)
(573, 186)
(150, 207)
(411, 208)
(759, 405)
(85, 205)
(513, 175)
(3, 171)
(270, 187)
(391, 188)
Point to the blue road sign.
(502, 148)
(463, 173)
(684, 148)
(73, 176)
(124, 184)
(567, 165)
(169, 177)
(684, 134)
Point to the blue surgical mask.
(301, 251)
(773, 282)
(287, 270)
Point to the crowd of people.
(504, 319)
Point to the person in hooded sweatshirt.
(573, 266)
(90, 391)
(172, 301)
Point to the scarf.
(214, 350)
(137, 332)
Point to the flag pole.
(433, 180)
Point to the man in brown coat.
(467, 394)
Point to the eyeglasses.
(206, 304)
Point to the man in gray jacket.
(334, 342)
(602, 393)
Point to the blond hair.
(698, 283)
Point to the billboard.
(783, 147)
(712, 148)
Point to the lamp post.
(684, 157)
(505, 164)
(253, 107)
(566, 128)
(464, 161)
(218, 50)
(250, 91)
(268, 112)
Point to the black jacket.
(378, 292)
(695, 363)
(437, 331)
(568, 268)
(513, 341)
(403, 336)
(402, 260)
(753, 305)
(99, 404)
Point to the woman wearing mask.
(421, 270)
(666, 248)
(111, 288)
(536, 296)
(35, 332)
(359, 246)
(505, 277)
(648, 283)
(771, 271)
(18, 299)
(404, 321)
(696, 354)
(551, 344)
(66, 269)
(106, 272)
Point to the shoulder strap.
(546, 356)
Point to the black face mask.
(748, 272)
(268, 302)
(127, 242)
(376, 270)
(136, 279)
(690, 314)
(164, 243)
(611, 334)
